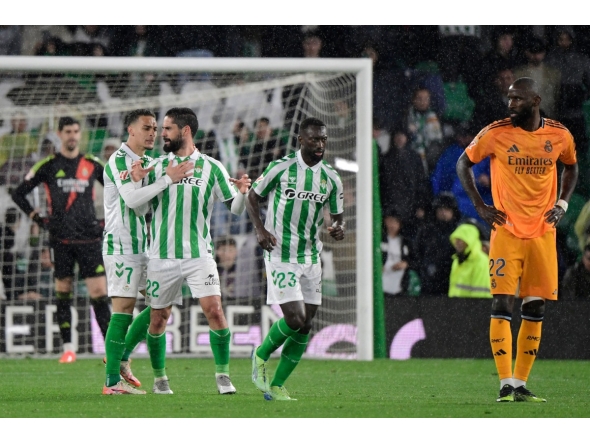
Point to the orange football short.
(532, 261)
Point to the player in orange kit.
(523, 150)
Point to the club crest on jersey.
(198, 170)
(548, 146)
(291, 193)
(323, 186)
(123, 175)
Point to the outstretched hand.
(138, 172)
(266, 240)
(242, 184)
(492, 215)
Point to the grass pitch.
(416, 388)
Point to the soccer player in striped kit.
(125, 245)
(181, 248)
(298, 187)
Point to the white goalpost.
(236, 101)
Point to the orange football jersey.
(523, 168)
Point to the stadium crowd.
(434, 88)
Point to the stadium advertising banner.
(415, 328)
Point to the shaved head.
(527, 84)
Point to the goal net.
(249, 111)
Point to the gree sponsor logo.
(291, 193)
(192, 181)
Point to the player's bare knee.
(295, 321)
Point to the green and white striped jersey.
(181, 214)
(125, 230)
(297, 195)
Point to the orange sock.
(501, 341)
(527, 346)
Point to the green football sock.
(157, 348)
(291, 355)
(136, 333)
(114, 346)
(219, 340)
(279, 332)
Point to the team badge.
(548, 146)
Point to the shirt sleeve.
(481, 147)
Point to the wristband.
(563, 204)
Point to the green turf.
(416, 388)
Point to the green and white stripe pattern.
(125, 232)
(180, 226)
(297, 195)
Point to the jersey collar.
(305, 166)
(196, 155)
(129, 152)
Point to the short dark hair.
(226, 241)
(310, 121)
(132, 116)
(183, 117)
(66, 121)
(262, 119)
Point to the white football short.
(126, 274)
(293, 282)
(166, 276)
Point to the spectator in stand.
(503, 55)
(445, 179)
(264, 148)
(470, 276)
(40, 274)
(311, 45)
(109, 146)
(226, 253)
(403, 184)
(21, 142)
(576, 281)
(11, 37)
(575, 84)
(432, 252)
(381, 136)
(90, 40)
(395, 250)
(389, 85)
(493, 104)
(12, 279)
(424, 128)
(547, 77)
(137, 41)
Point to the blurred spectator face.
(263, 129)
(47, 148)
(505, 43)
(312, 46)
(444, 214)
(459, 245)
(564, 40)
(586, 260)
(535, 58)
(400, 140)
(140, 30)
(504, 79)
(227, 254)
(371, 53)
(97, 51)
(341, 108)
(19, 124)
(392, 225)
(421, 100)
(108, 151)
(91, 29)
